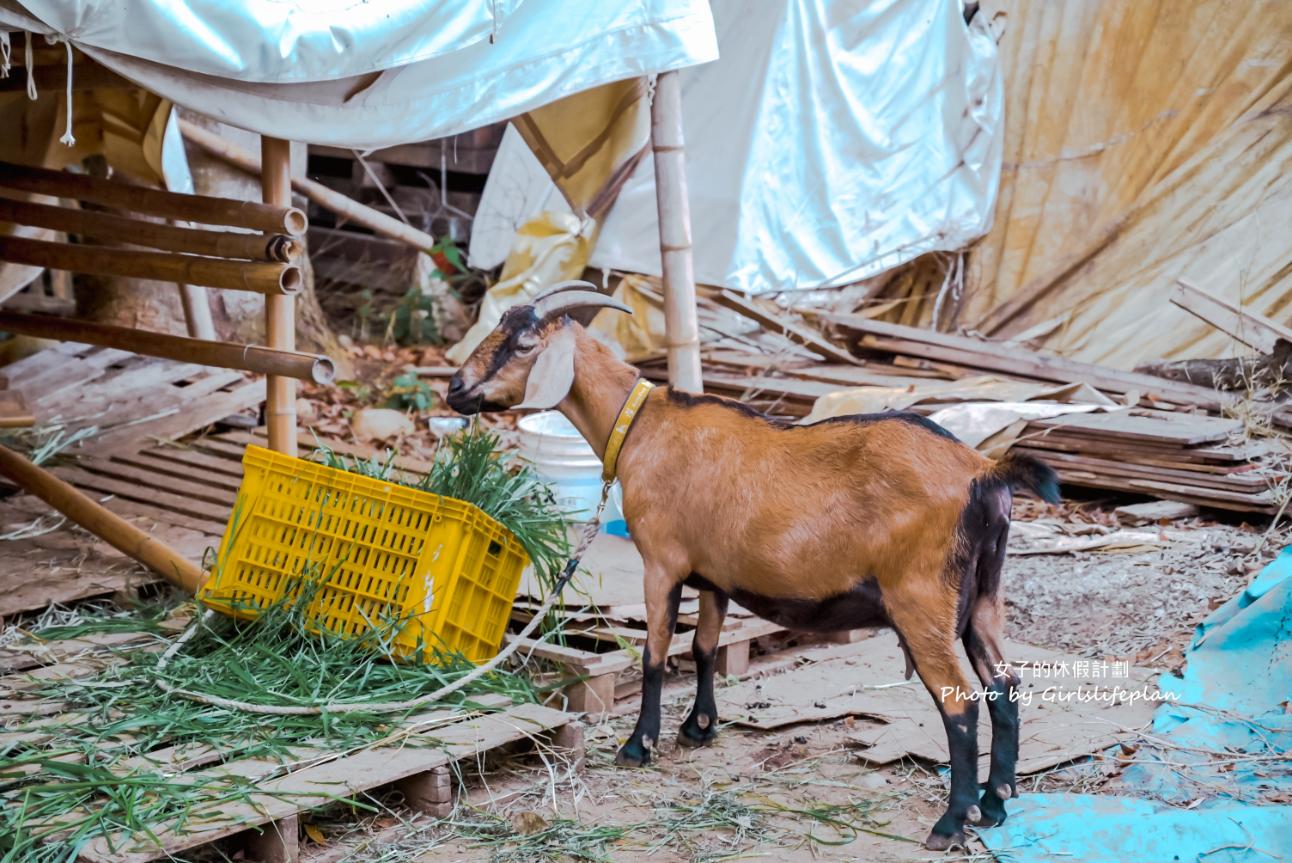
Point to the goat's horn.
(569, 296)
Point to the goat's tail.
(1016, 469)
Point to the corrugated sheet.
(1146, 140)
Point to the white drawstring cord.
(68, 138)
(6, 52)
(29, 58)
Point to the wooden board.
(1168, 428)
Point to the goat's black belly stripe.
(860, 606)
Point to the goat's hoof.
(691, 735)
(942, 842)
(991, 810)
(632, 754)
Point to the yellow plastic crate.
(384, 552)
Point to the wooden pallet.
(605, 656)
(128, 398)
(419, 757)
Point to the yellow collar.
(623, 422)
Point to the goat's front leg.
(702, 725)
(662, 595)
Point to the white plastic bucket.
(561, 457)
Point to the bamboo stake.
(155, 202)
(108, 526)
(261, 278)
(115, 228)
(326, 198)
(280, 311)
(197, 312)
(682, 331)
(225, 355)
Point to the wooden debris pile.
(1176, 438)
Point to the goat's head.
(528, 359)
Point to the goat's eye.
(523, 348)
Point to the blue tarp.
(1226, 739)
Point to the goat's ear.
(552, 374)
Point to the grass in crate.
(72, 785)
(469, 467)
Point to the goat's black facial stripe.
(516, 321)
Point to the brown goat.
(869, 519)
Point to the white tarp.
(832, 141)
(375, 73)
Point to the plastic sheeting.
(1145, 141)
(1090, 828)
(319, 72)
(833, 140)
(1229, 733)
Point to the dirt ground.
(801, 793)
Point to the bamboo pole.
(108, 526)
(682, 331)
(225, 355)
(280, 311)
(374, 220)
(155, 202)
(197, 312)
(262, 278)
(116, 228)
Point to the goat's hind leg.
(982, 640)
(984, 643)
(701, 726)
(931, 648)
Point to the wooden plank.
(783, 325)
(1256, 331)
(1014, 360)
(184, 457)
(1238, 482)
(319, 785)
(162, 468)
(1175, 429)
(1039, 439)
(194, 416)
(145, 479)
(215, 514)
(863, 375)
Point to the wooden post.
(280, 310)
(682, 332)
(107, 525)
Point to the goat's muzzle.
(468, 400)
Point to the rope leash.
(571, 566)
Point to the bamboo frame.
(115, 228)
(262, 278)
(112, 528)
(280, 311)
(374, 220)
(682, 331)
(226, 355)
(155, 202)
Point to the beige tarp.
(1146, 140)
